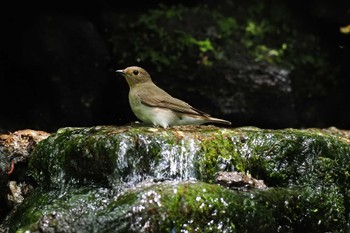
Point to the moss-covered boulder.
(142, 179)
(176, 207)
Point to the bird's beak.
(120, 72)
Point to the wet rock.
(101, 179)
(15, 151)
(16, 195)
(21, 142)
(17, 147)
(239, 181)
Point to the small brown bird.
(153, 105)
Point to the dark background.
(57, 61)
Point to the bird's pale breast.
(160, 116)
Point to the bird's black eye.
(136, 72)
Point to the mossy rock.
(176, 207)
(86, 176)
(106, 154)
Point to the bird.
(154, 106)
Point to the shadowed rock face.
(241, 90)
(56, 75)
(137, 179)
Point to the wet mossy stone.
(175, 206)
(110, 155)
(170, 206)
(307, 172)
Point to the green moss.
(182, 206)
(81, 154)
(105, 155)
(110, 156)
(280, 157)
(56, 211)
(305, 209)
(190, 206)
(219, 153)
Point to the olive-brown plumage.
(153, 105)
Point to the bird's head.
(134, 75)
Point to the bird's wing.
(157, 97)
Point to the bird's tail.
(217, 120)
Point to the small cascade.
(178, 161)
(145, 157)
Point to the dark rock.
(61, 73)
